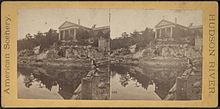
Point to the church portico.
(68, 33)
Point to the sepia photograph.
(63, 54)
(109, 54)
(156, 54)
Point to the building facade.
(171, 34)
(71, 32)
(171, 37)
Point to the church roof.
(166, 22)
(67, 24)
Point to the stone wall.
(173, 51)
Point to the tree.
(140, 38)
(45, 40)
(124, 35)
(82, 36)
(149, 35)
(28, 36)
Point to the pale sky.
(42, 19)
(128, 20)
(122, 20)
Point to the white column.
(171, 32)
(155, 33)
(69, 33)
(64, 35)
(74, 34)
(59, 34)
(160, 33)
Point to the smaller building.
(103, 34)
(197, 32)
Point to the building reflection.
(158, 80)
(64, 83)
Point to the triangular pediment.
(164, 23)
(66, 24)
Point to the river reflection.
(35, 82)
(126, 82)
(135, 82)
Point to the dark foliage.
(140, 38)
(45, 40)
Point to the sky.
(42, 19)
(128, 20)
(121, 20)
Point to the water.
(126, 82)
(53, 83)
(135, 82)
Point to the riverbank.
(59, 62)
(163, 61)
